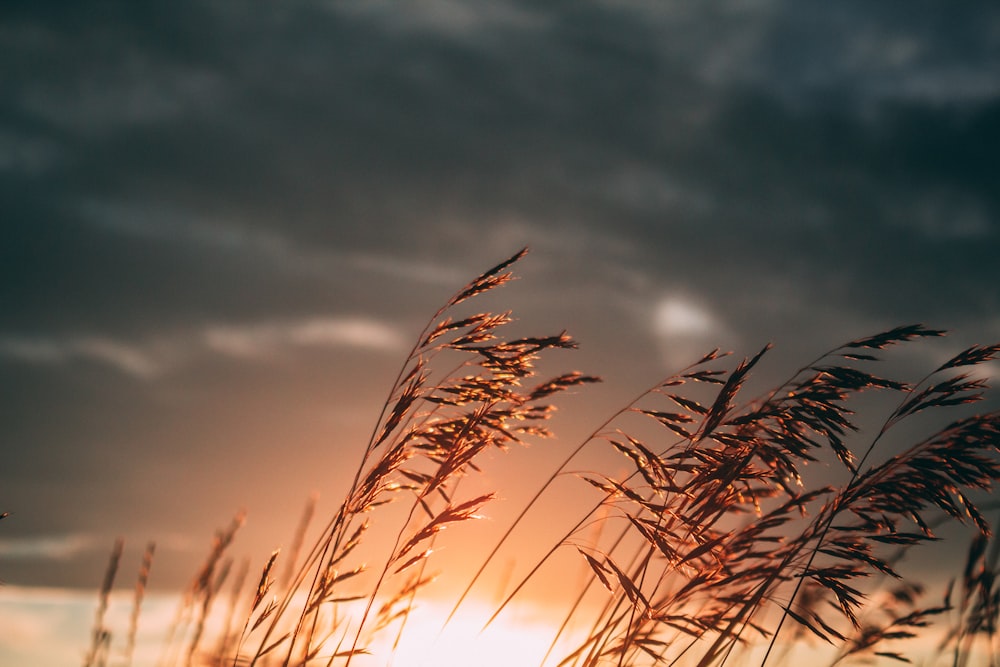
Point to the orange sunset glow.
(701, 533)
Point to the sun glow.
(521, 637)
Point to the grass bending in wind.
(712, 544)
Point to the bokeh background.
(224, 221)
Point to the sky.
(225, 222)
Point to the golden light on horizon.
(521, 637)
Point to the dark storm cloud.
(190, 190)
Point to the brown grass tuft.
(713, 541)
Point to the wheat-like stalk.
(463, 389)
(140, 591)
(100, 644)
(713, 540)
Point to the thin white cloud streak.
(124, 357)
(424, 272)
(258, 340)
(127, 358)
(151, 359)
(45, 547)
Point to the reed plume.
(714, 540)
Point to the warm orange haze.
(705, 542)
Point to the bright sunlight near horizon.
(520, 637)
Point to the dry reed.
(140, 591)
(713, 542)
(100, 643)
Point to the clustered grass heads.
(99, 653)
(717, 526)
(100, 643)
(142, 581)
(886, 504)
(188, 627)
(462, 390)
(710, 542)
(977, 610)
(229, 635)
(894, 615)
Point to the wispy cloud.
(257, 340)
(129, 359)
(151, 358)
(424, 272)
(47, 547)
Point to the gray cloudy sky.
(223, 221)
